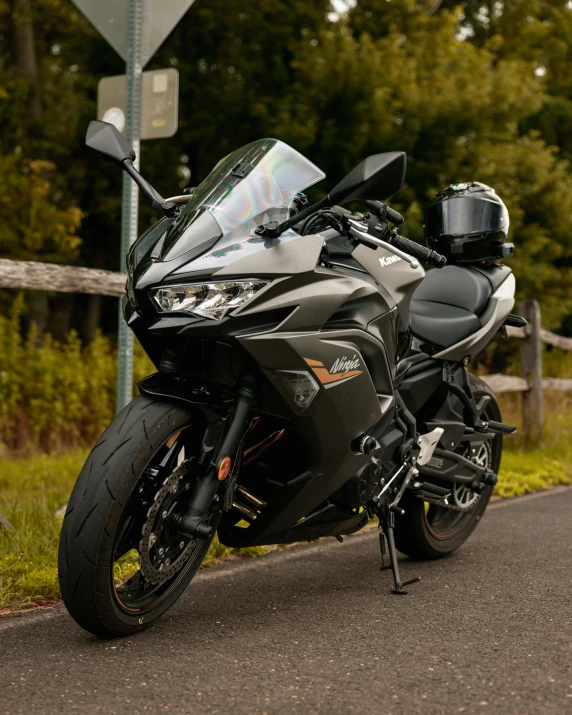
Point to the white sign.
(159, 102)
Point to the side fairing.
(394, 274)
(346, 406)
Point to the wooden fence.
(532, 383)
(31, 275)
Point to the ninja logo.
(344, 364)
(344, 368)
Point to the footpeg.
(431, 493)
(500, 427)
(491, 478)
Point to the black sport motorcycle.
(310, 377)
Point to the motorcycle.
(299, 392)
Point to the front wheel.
(429, 531)
(121, 565)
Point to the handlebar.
(385, 212)
(424, 255)
(380, 236)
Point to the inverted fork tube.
(193, 522)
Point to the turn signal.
(224, 468)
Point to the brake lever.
(374, 243)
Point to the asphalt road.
(315, 630)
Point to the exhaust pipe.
(251, 498)
(246, 511)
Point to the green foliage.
(475, 91)
(34, 227)
(55, 394)
(456, 108)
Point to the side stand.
(387, 524)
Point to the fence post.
(531, 369)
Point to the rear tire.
(97, 511)
(414, 535)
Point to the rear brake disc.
(462, 498)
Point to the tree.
(466, 98)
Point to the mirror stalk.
(273, 229)
(152, 196)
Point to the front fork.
(215, 459)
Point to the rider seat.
(448, 305)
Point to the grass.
(33, 489)
(524, 470)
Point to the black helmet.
(468, 223)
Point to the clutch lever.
(373, 243)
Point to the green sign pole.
(135, 29)
(130, 204)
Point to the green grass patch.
(524, 470)
(33, 489)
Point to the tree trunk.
(25, 51)
(38, 310)
(60, 316)
(92, 318)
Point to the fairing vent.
(224, 365)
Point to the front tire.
(431, 533)
(107, 510)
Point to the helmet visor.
(464, 216)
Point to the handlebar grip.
(425, 255)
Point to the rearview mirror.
(108, 140)
(377, 178)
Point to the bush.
(55, 395)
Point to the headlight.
(211, 300)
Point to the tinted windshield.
(251, 186)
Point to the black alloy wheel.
(122, 562)
(430, 531)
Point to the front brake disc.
(156, 557)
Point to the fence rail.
(32, 275)
(507, 383)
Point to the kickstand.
(387, 524)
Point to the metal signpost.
(135, 29)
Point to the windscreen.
(251, 186)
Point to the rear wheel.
(428, 531)
(121, 564)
